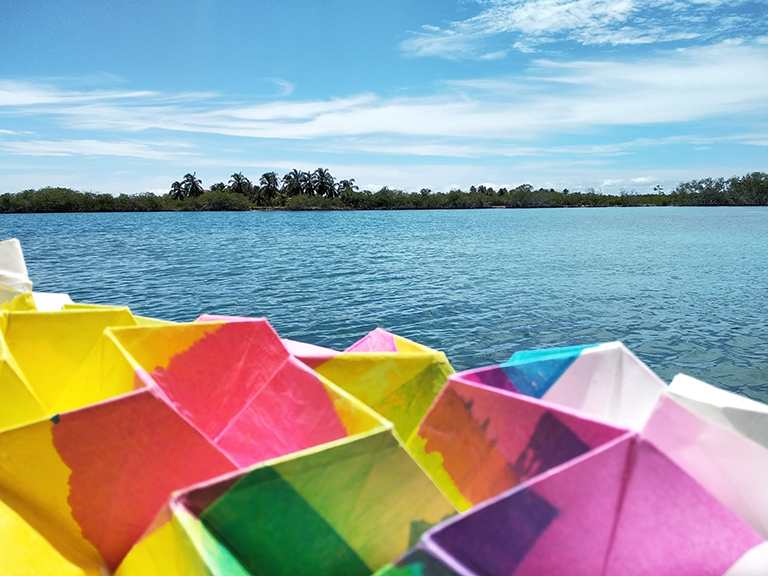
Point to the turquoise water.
(685, 288)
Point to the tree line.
(319, 190)
(271, 190)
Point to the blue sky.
(128, 97)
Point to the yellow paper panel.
(356, 417)
(399, 386)
(161, 553)
(25, 553)
(405, 345)
(144, 321)
(63, 339)
(23, 302)
(34, 482)
(18, 403)
(180, 547)
(106, 373)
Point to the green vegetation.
(319, 190)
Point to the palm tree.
(177, 191)
(239, 184)
(269, 184)
(192, 185)
(346, 185)
(324, 183)
(293, 183)
(307, 184)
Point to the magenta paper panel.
(561, 524)
(622, 510)
(670, 524)
(731, 467)
(293, 412)
(587, 496)
(492, 376)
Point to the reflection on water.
(686, 289)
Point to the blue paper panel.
(533, 372)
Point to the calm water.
(685, 288)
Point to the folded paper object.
(153, 409)
(623, 509)
(14, 279)
(347, 507)
(16, 287)
(140, 447)
(478, 441)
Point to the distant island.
(319, 190)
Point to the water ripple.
(684, 288)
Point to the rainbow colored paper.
(139, 447)
(623, 509)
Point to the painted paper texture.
(140, 447)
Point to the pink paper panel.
(291, 413)
(221, 372)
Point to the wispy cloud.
(525, 24)
(462, 118)
(92, 147)
(15, 93)
(284, 88)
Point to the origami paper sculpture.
(728, 463)
(16, 287)
(477, 442)
(163, 426)
(41, 355)
(603, 380)
(151, 448)
(738, 413)
(396, 377)
(344, 508)
(621, 509)
(14, 279)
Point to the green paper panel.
(275, 532)
(371, 492)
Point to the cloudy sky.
(611, 94)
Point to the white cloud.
(755, 141)
(541, 17)
(523, 24)
(14, 93)
(494, 55)
(285, 88)
(468, 118)
(145, 150)
(432, 41)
